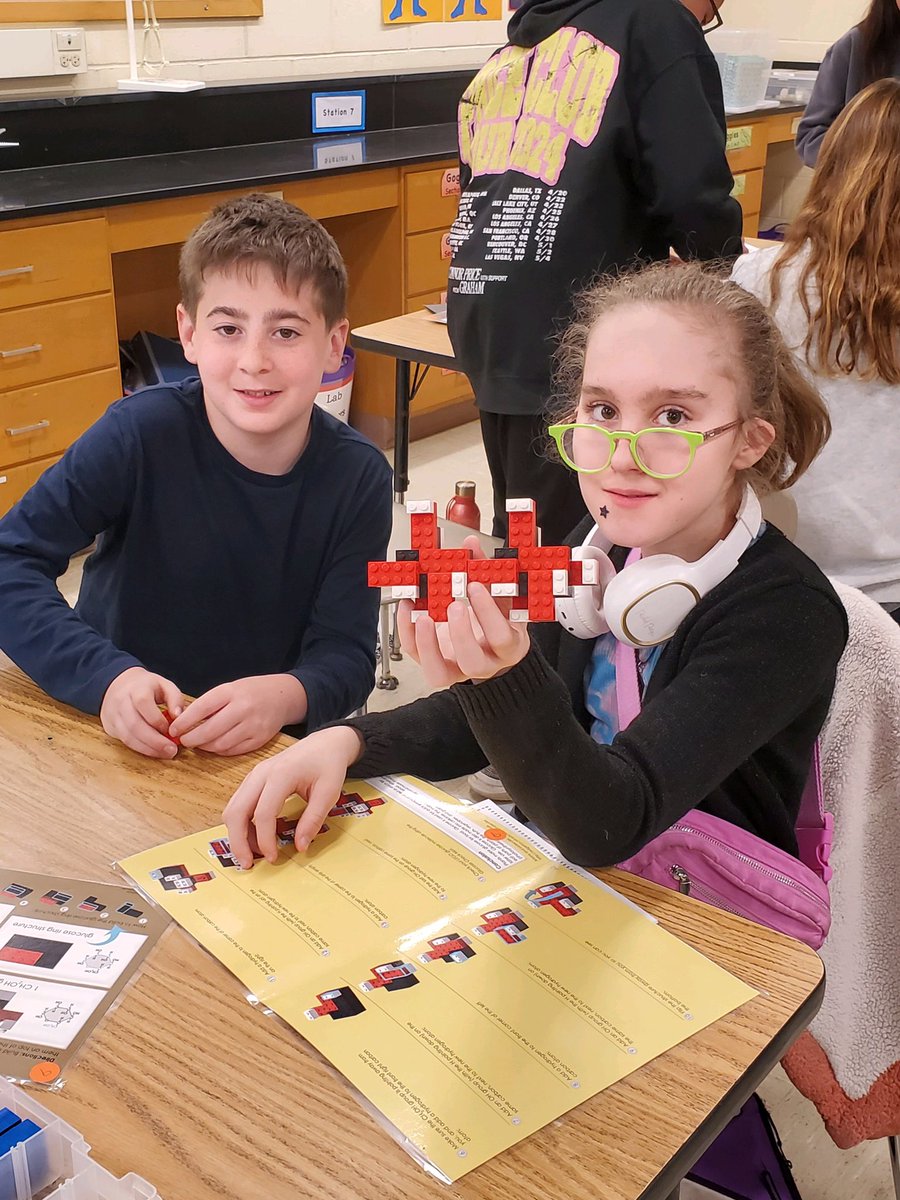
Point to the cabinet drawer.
(427, 262)
(431, 198)
(15, 482)
(751, 225)
(748, 190)
(55, 340)
(45, 419)
(746, 146)
(49, 262)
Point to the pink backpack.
(713, 860)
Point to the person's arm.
(747, 679)
(682, 169)
(829, 96)
(72, 502)
(336, 666)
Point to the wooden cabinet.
(747, 146)
(430, 199)
(15, 481)
(58, 345)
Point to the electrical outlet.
(31, 53)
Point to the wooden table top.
(188, 1085)
(414, 337)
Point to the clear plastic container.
(58, 1154)
(744, 58)
(791, 87)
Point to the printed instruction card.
(470, 983)
(67, 949)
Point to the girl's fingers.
(473, 659)
(499, 633)
(472, 543)
(439, 670)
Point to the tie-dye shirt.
(600, 685)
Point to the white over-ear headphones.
(646, 601)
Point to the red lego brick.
(440, 595)
(494, 570)
(393, 574)
(541, 601)
(575, 573)
(522, 529)
(544, 558)
(424, 532)
(444, 560)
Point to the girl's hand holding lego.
(314, 769)
(237, 717)
(130, 711)
(478, 641)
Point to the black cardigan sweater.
(729, 719)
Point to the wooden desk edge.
(675, 1170)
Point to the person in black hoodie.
(594, 140)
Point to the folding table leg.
(386, 682)
(402, 402)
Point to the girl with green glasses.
(677, 392)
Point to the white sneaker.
(487, 785)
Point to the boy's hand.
(478, 641)
(131, 711)
(235, 718)
(314, 769)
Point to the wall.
(805, 28)
(305, 38)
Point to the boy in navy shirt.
(234, 519)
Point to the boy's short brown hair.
(259, 228)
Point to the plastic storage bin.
(58, 1155)
(337, 386)
(744, 58)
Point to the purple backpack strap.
(814, 828)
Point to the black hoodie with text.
(593, 141)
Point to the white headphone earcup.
(647, 601)
(581, 614)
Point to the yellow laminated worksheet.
(464, 977)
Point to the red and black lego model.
(508, 925)
(338, 1003)
(392, 976)
(449, 948)
(532, 575)
(558, 896)
(351, 804)
(179, 879)
(220, 850)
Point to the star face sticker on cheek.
(604, 512)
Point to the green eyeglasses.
(662, 453)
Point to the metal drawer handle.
(15, 271)
(35, 349)
(27, 428)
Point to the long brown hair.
(773, 386)
(850, 282)
(880, 32)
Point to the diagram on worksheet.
(67, 949)
(465, 978)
